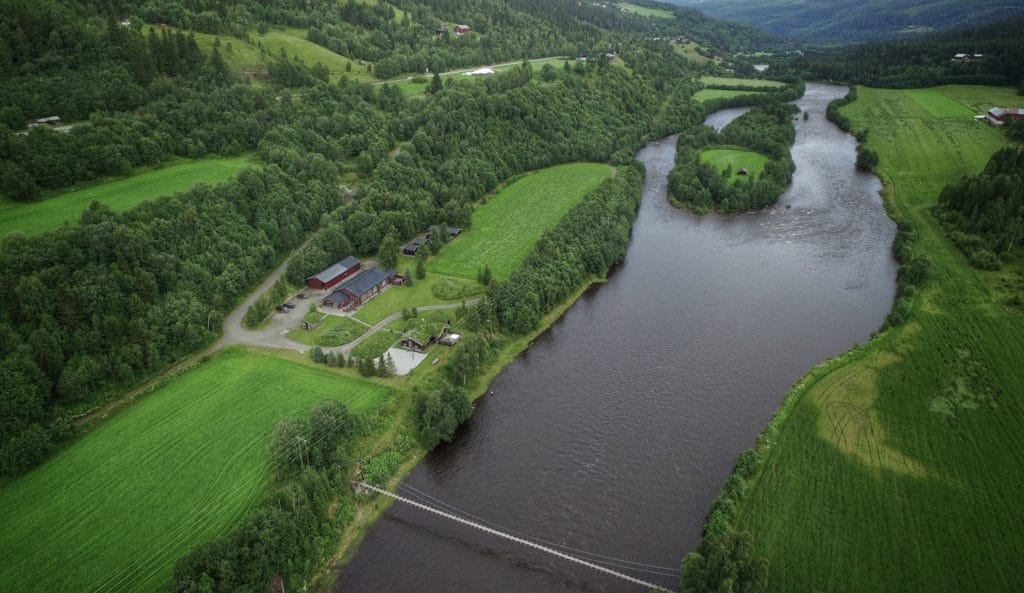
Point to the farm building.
(453, 231)
(997, 116)
(413, 246)
(334, 274)
(461, 29)
(361, 288)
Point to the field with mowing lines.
(720, 158)
(657, 13)
(708, 94)
(115, 510)
(727, 81)
(32, 218)
(903, 468)
(506, 228)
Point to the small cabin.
(743, 171)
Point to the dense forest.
(701, 187)
(839, 21)
(984, 213)
(927, 60)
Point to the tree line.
(923, 61)
(297, 525)
(700, 186)
(984, 213)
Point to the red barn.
(997, 116)
(461, 29)
(334, 274)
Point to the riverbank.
(370, 509)
(650, 384)
(909, 446)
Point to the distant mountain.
(844, 21)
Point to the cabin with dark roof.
(368, 284)
(334, 274)
(413, 246)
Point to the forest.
(927, 60)
(984, 213)
(697, 185)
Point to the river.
(616, 429)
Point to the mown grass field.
(32, 218)
(510, 223)
(689, 51)
(115, 511)
(720, 158)
(645, 11)
(410, 87)
(903, 469)
(728, 81)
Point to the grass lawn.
(903, 468)
(333, 331)
(32, 218)
(720, 158)
(708, 94)
(689, 51)
(728, 81)
(432, 290)
(115, 510)
(410, 88)
(644, 11)
(377, 344)
(506, 228)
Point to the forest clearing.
(33, 218)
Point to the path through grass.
(903, 470)
(115, 511)
(32, 218)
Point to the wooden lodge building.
(418, 341)
(363, 287)
(334, 274)
(412, 247)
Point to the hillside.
(838, 21)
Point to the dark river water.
(616, 429)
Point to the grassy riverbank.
(898, 467)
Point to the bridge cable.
(620, 562)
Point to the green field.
(506, 228)
(377, 344)
(708, 94)
(411, 88)
(712, 81)
(689, 51)
(242, 55)
(644, 11)
(332, 331)
(903, 468)
(720, 158)
(115, 510)
(422, 292)
(32, 218)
